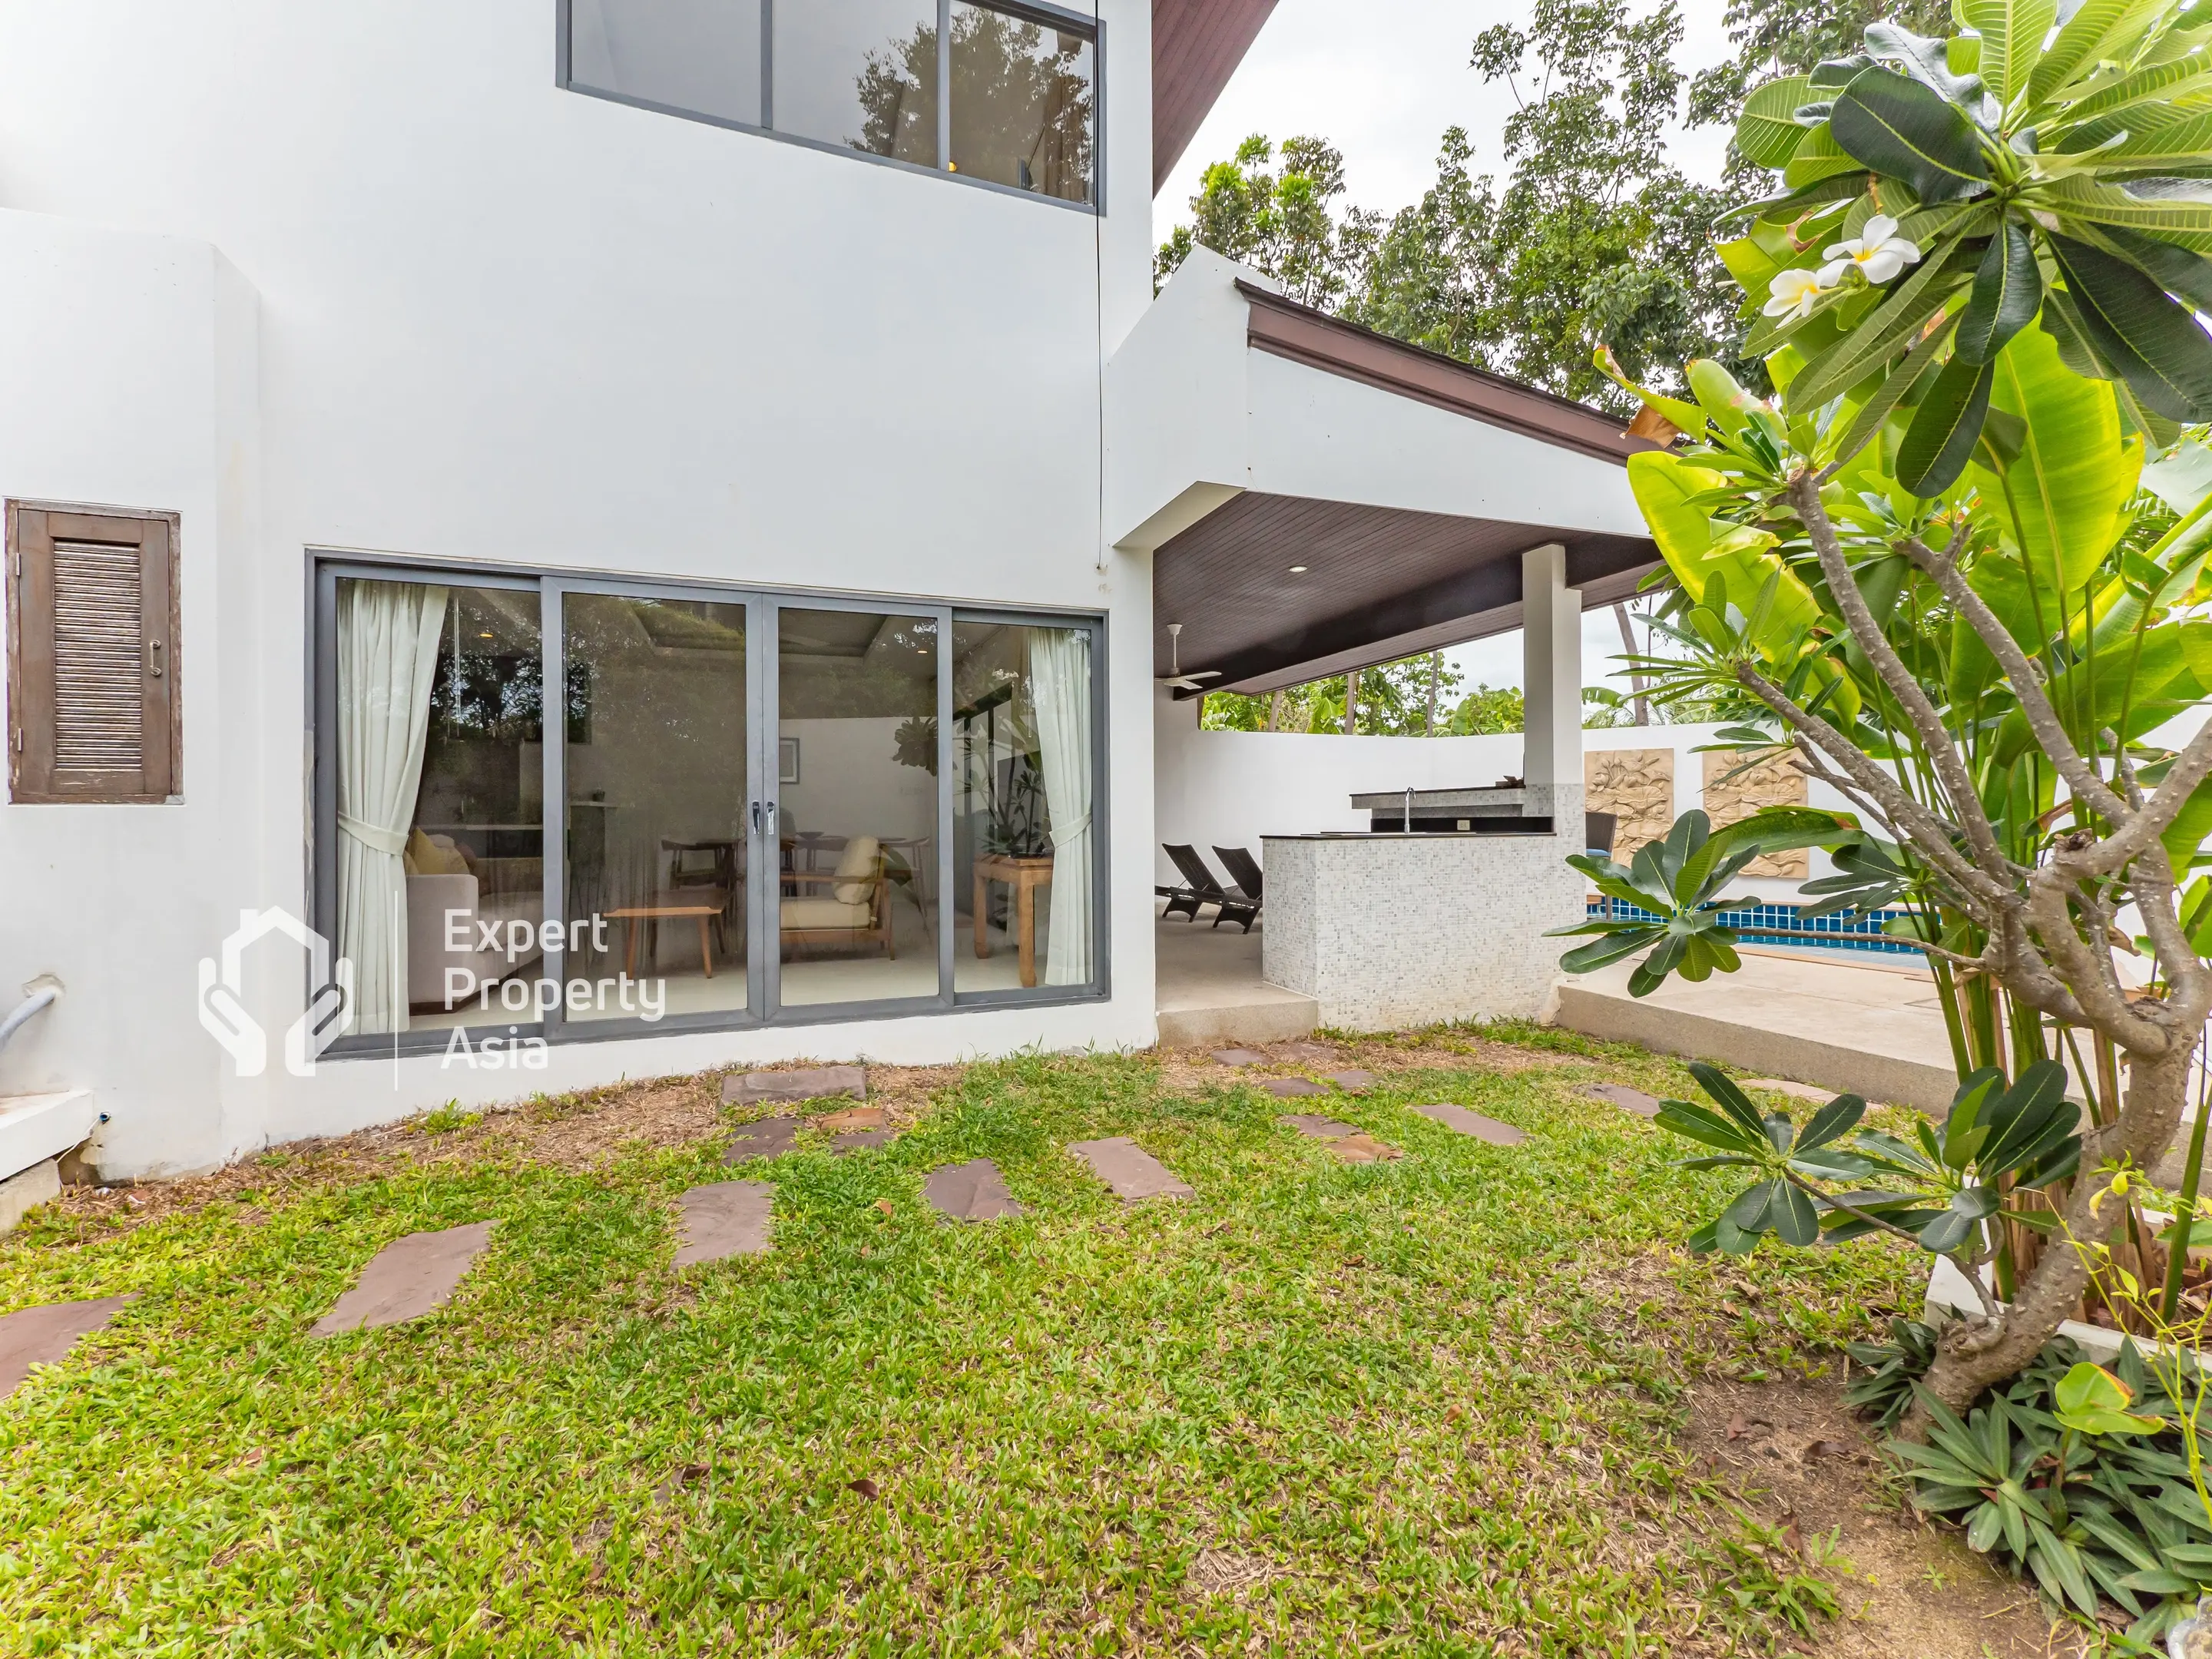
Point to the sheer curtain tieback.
(375, 835)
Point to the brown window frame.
(33, 527)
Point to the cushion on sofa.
(803, 913)
(432, 855)
(855, 871)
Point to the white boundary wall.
(1229, 788)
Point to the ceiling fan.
(1175, 679)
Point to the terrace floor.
(1867, 1024)
(1209, 989)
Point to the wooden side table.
(1025, 876)
(664, 907)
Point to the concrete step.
(35, 1127)
(1209, 991)
(1871, 1028)
(1201, 1018)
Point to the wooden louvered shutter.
(92, 713)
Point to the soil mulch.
(1793, 1451)
(582, 1132)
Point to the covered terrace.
(1316, 498)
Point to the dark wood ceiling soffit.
(1196, 46)
(1598, 593)
(1372, 574)
(1284, 328)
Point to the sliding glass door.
(858, 773)
(657, 794)
(582, 808)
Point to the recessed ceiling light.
(1298, 570)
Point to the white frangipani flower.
(1795, 290)
(1877, 251)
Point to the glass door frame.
(554, 590)
(768, 860)
(328, 571)
(1099, 988)
(327, 566)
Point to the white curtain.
(387, 658)
(1060, 683)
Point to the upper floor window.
(1005, 93)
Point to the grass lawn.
(1422, 1407)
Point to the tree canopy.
(1591, 235)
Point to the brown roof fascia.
(1284, 328)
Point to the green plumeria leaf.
(1686, 1118)
(2155, 343)
(1795, 1221)
(1907, 377)
(2007, 292)
(1945, 428)
(1731, 1099)
(1839, 1117)
(1899, 127)
(2176, 269)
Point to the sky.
(1383, 93)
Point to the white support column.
(1552, 683)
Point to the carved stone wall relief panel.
(1637, 786)
(1771, 783)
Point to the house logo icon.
(328, 1014)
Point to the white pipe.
(45, 996)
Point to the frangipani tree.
(2048, 167)
(1931, 570)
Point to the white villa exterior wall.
(364, 277)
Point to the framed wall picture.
(787, 760)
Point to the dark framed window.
(560, 808)
(94, 712)
(1004, 94)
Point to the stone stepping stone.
(1316, 1128)
(768, 1136)
(731, 1218)
(1310, 1054)
(1240, 1056)
(787, 1088)
(1474, 1123)
(1352, 1079)
(1796, 1091)
(852, 1118)
(44, 1336)
(1363, 1149)
(859, 1139)
(1291, 1088)
(969, 1192)
(407, 1279)
(1634, 1100)
(1129, 1169)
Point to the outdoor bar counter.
(1388, 928)
(1439, 910)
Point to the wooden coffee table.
(1025, 876)
(664, 906)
